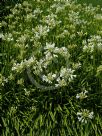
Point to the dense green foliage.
(93, 2)
(51, 69)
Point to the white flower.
(20, 81)
(79, 118)
(67, 74)
(63, 72)
(56, 50)
(55, 56)
(63, 51)
(91, 115)
(95, 42)
(61, 82)
(85, 48)
(60, 8)
(98, 16)
(27, 93)
(49, 46)
(8, 37)
(37, 11)
(47, 78)
(29, 62)
(54, 75)
(5, 79)
(48, 56)
(77, 96)
(85, 115)
(18, 67)
(1, 35)
(79, 113)
(41, 31)
(13, 68)
(50, 20)
(82, 95)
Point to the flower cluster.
(82, 95)
(19, 67)
(85, 115)
(3, 80)
(41, 31)
(95, 42)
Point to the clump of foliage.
(51, 69)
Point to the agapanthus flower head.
(82, 95)
(85, 115)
